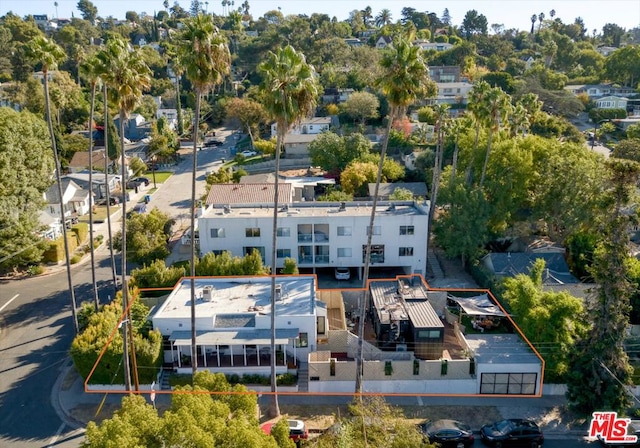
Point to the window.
(376, 230)
(217, 233)
(252, 232)
(377, 253)
(508, 383)
(406, 230)
(303, 340)
(429, 334)
(344, 231)
(283, 253)
(284, 231)
(344, 252)
(406, 252)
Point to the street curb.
(62, 413)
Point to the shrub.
(81, 230)
(75, 259)
(35, 269)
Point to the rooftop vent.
(343, 207)
(207, 293)
(227, 209)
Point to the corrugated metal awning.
(249, 337)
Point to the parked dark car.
(448, 433)
(512, 432)
(214, 142)
(142, 180)
(113, 200)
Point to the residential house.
(435, 46)
(51, 226)
(297, 145)
(453, 92)
(234, 323)
(445, 73)
(314, 125)
(528, 61)
(80, 161)
(383, 41)
(336, 96)
(171, 115)
(612, 102)
(418, 189)
(605, 50)
(257, 195)
(510, 264)
(305, 188)
(354, 42)
(417, 346)
(136, 127)
(595, 91)
(75, 199)
(99, 180)
(624, 123)
(322, 235)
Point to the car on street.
(512, 432)
(213, 142)
(113, 200)
(342, 273)
(448, 433)
(248, 153)
(297, 429)
(142, 180)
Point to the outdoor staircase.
(164, 380)
(303, 376)
(433, 264)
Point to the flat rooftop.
(501, 349)
(235, 301)
(333, 209)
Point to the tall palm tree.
(107, 192)
(47, 53)
(497, 107)
(91, 68)
(289, 92)
(405, 78)
(442, 115)
(534, 19)
(477, 98)
(204, 55)
(383, 18)
(127, 76)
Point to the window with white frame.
(406, 230)
(284, 231)
(405, 252)
(252, 232)
(377, 230)
(217, 233)
(344, 252)
(344, 231)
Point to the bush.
(54, 252)
(35, 270)
(75, 259)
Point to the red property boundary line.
(284, 393)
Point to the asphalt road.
(36, 331)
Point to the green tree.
(333, 153)
(361, 105)
(633, 131)
(473, 24)
(127, 76)
(88, 10)
(156, 275)
(25, 153)
(401, 194)
(49, 54)
(146, 239)
(290, 266)
(289, 91)
(496, 108)
(622, 66)
(249, 113)
(599, 366)
(204, 54)
(551, 320)
(335, 195)
(628, 149)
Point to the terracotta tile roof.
(224, 194)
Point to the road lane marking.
(10, 300)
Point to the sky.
(510, 13)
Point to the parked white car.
(342, 273)
(248, 153)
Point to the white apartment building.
(322, 234)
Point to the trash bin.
(147, 198)
(222, 160)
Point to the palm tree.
(367, 16)
(91, 68)
(127, 75)
(477, 98)
(383, 18)
(107, 193)
(405, 77)
(442, 115)
(204, 55)
(289, 91)
(540, 19)
(47, 53)
(497, 107)
(534, 19)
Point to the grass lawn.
(99, 213)
(161, 176)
